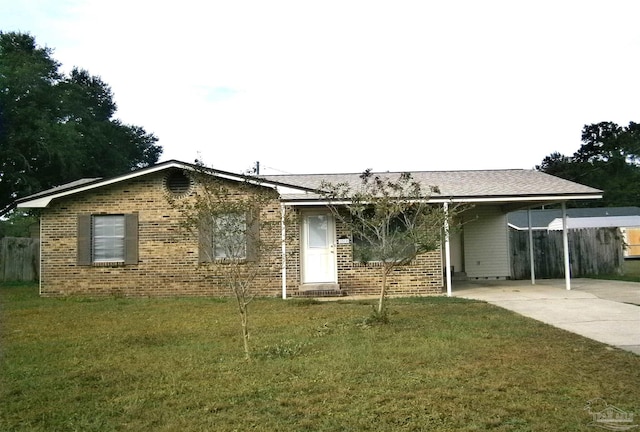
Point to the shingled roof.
(461, 185)
(43, 198)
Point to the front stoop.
(320, 290)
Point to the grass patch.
(624, 278)
(119, 364)
(630, 270)
(632, 267)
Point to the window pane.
(318, 231)
(229, 236)
(108, 238)
(397, 245)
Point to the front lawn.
(118, 364)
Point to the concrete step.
(319, 293)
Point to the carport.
(508, 204)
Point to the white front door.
(318, 243)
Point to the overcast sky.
(343, 85)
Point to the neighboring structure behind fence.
(19, 259)
(592, 251)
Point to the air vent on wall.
(178, 183)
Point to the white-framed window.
(229, 236)
(391, 244)
(107, 238)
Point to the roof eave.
(43, 201)
(471, 200)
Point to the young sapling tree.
(390, 219)
(239, 234)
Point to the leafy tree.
(609, 159)
(390, 220)
(18, 224)
(55, 128)
(609, 142)
(239, 232)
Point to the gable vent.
(178, 183)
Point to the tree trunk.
(383, 290)
(245, 333)
(244, 321)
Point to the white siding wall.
(486, 243)
(455, 245)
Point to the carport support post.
(565, 247)
(447, 248)
(531, 256)
(283, 233)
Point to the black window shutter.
(253, 235)
(205, 239)
(84, 239)
(131, 238)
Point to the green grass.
(119, 364)
(630, 270)
(632, 266)
(624, 278)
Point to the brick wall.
(167, 254)
(168, 263)
(424, 275)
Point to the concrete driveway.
(605, 311)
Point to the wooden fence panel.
(19, 259)
(592, 251)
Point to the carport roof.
(541, 218)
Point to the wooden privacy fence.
(592, 251)
(19, 259)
